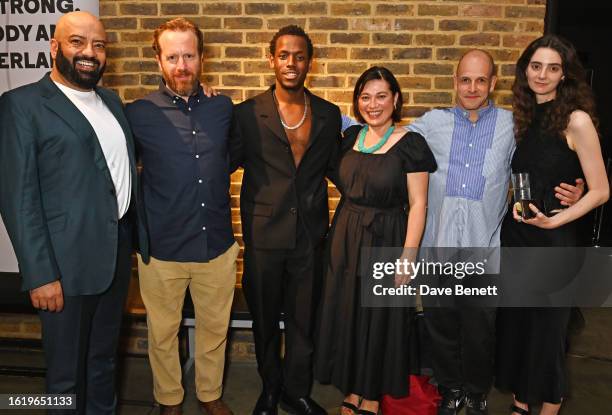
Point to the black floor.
(590, 365)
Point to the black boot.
(476, 404)
(452, 400)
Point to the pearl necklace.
(299, 124)
(361, 142)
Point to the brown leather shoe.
(170, 409)
(216, 407)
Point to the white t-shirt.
(111, 138)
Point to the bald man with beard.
(67, 196)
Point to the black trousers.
(462, 347)
(80, 342)
(286, 281)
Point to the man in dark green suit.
(67, 191)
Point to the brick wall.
(420, 41)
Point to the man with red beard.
(286, 139)
(67, 193)
(181, 137)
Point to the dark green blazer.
(57, 198)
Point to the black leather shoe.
(266, 404)
(476, 404)
(301, 406)
(452, 401)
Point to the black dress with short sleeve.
(365, 350)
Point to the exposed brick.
(120, 23)
(369, 53)
(480, 39)
(112, 36)
(223, 37)
(508, 69)
(351, 38)
(147, 52)
(452, 54)
(140, 36)
(480, 10)
(212, 51)
(413, 82)
(398, 68)
(150, 79)
(537, 27)
(459, 25)
(131, 94)
(285, 21)
(250, 93)
(240, 80)
(225, 66)
(256, 67)
(326, 81)
(138, 9)
(114, 52)
(346, 67)
(179, 9)
(350, 8)
(517, 41)
(394, 9)
(432, 97)
(445, 82)
(414, 24)
(328, 23)
(306, 7)
(414, 112)
(242, 23)
(222, 8)
(243, 52)
(411, 53)
(264, 8)
(140, 66)
(372, 25)
(505, 55)
(437, 10)
(435, 40)
(433, 69)
(206, 23)
(397, 39)
(538, 2)
(152, 22)
(121, 80)
(498, 26)
(330, 52)
(259, 37)
(108, 9)
(525, 12)
(504, 83)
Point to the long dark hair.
(378, 72)
(573, 92)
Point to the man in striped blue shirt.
(473, 144)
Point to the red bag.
(422, 400)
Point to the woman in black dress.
(382, 171)
(557, 142)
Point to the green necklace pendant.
(362, 135)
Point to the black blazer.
(274, 192)
(57, 197)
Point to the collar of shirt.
(460, 112)
(193, 100)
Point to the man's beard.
(85, 80)
(182, 88)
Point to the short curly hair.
(291, 30)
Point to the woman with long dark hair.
(557, 141)
(382, 171)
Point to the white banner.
(26, 27)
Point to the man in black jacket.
(287, 140)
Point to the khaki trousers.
(162, 287)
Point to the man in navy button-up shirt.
(181, 136)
